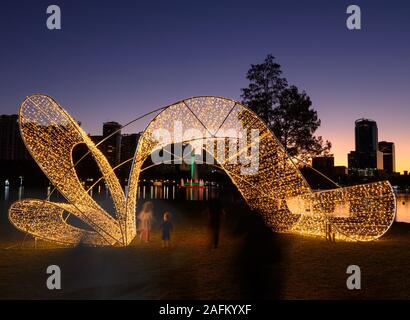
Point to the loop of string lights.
(277, 190)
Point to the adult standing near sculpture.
(215, 211)
(145, 221)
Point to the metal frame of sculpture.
(277, 190)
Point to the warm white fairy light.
(277, 190)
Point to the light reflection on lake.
(10, 195)
(145, 192)
(403, 207)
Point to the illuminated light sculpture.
(277, 189)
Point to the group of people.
(146, 219)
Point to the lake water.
(8, 196)
(403, 207)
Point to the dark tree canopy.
(287, 111)
(266, 83)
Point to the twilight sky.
(116, 60)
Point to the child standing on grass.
(166, 228)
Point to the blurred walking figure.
(166, 228)
(330, 235)
(145, 221)
(215, 212)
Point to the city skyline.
(101, 73)
(369, 158)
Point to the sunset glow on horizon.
(114, 67)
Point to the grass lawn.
(251, 262)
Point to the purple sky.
(115, 60)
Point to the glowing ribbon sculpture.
(277, 189)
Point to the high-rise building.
(324, 164)
(129, 144)
(96, 140)
(365, 160)
(389, 158)
(379, 160)
(339, 171)
(112, 146)
(352, 162)
(11, 146)
(366, 138)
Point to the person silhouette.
(215, 212)
(166, 229)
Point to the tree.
(294, 124)
(285, 110)
(264, 88)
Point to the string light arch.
(277, 189)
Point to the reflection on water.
(21, 192)
(154, 191)
(169, 192)
(146, 191)
(6, 193)
(403, 207)
(173, 192)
